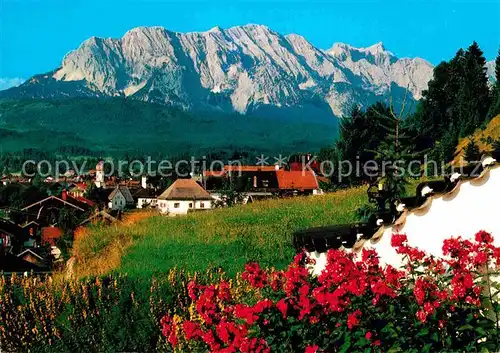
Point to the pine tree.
(360, 134)
(472, 152)
(432, 114)
(448, 144)
(497, 69)
(393, 155)
(473, 100)
(495, 105)
(437, 111)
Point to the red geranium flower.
(484, 237)
(311, 349)
(353, 319)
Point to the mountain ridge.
(242, 68)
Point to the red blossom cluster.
(255, 275)
(222, 324)
(464, 259)
(347, 293)
(169, 330)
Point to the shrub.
(355, 304)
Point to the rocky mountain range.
(248, 69)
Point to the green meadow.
(226, 238)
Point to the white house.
(183, 196)
(120, 198)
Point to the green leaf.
(481, 331)
(347, 344)
(427, 347)
(423, 332)
(448, 341)
(465, 327)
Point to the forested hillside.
(118, 125)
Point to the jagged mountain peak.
(376, 48)
(240, 68)
(342, 49)
(216, 29)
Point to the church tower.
(99, 175)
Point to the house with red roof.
(297, 182)
(263, 181)
(46, 211)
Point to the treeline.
(12, 162)
(85, 159)
(459, 100)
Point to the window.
(190, 205)
(265, 183)
(202, 205)
(177, 205)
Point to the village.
(31, 235)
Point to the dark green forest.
(117, 126)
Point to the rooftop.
(185, 189)
(297, 180)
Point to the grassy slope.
(480, 136)
(224, 237)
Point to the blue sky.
(35, 35)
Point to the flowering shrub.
(355, 304)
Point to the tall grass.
(98, 314)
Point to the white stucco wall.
(168, 206)
(147, 201)
(476, 206)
